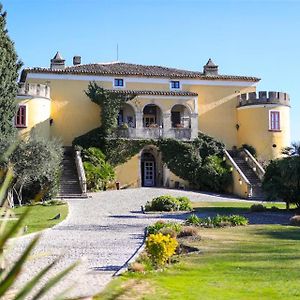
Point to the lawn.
(251, 262)
(39, 216)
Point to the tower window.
(20, 119)
(175, 84)
(274, 120)
(118, 82)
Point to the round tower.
(263, 121)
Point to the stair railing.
(80, 172)
(240, 172)
(253, 163)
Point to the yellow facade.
(254, 129)
(38, 121)
(212, 105)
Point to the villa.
(168, 103)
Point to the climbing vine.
(110, 103)
(199, 161)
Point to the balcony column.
(139, 123)
(167, 133)
(194, 125)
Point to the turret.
(210, 68)
(57, 62)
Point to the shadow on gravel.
(109, 268)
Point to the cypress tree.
(9, 67)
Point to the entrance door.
(149, 173)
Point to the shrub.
(193, 220)
(159, 225)
(168, 231)
(184, 203)
(98, 172)
(160, 248)
(162, 203)
(257, 208)
(295, 221)
(188, 231)
(168, 203)
(217, 221)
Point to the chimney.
(210, 68)
(76, 60)
(57, 62)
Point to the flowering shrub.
(160, 248)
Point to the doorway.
(148, 170)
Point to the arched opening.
(152, 116)
(126, 116)
(180, 116)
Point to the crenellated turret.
(263, 97)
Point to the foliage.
(294, 150)
(257, 208)
(9, 67)
(193, 220)
(282, 180)
(199, 162)
(233, 261)
(217, 221)
(160, 248)
(250, 148)
(98, 172)
(168, 203)
(110, 103)
(184, 203)
(37, 168)
(159, 225)
(10, 274)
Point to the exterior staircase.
(70, 185)
(255, 181)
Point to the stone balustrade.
(154, 133)
(34, 90)
(263, 97)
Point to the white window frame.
(175, 89)
(271, 121)
(118, 86)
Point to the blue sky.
(259, 38)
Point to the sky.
(255, 38)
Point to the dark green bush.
(168, 203)
(162, 203)
(184, 203)
(257, 208)
(98, 172)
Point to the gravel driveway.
(103, 232)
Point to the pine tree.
(9, 66)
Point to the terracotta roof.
(155, 93)
(126, 69)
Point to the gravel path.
(103, 232)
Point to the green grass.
(231, 207)
(39, 216)
(251, 262)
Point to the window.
(175, 84)
(118, 82)
(20, 119)
(274, 120)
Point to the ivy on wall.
(110, 103)
(199, 161)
